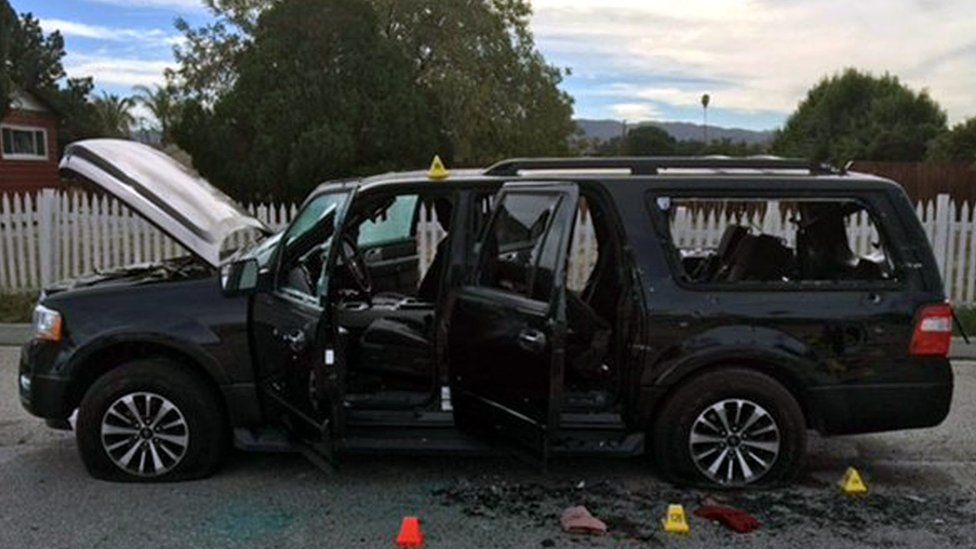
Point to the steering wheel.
(356, 265)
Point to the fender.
(781, 354)
(180, 345)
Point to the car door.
(298, 351)
(507, 325)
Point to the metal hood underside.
(182, 204)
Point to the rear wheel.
(149, 421)
(730, 428)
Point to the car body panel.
(179, 202)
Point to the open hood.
(182, 204)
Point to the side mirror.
(241, 277)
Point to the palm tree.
(114, 114)
(164, 105)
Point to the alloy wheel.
(145, 434)
(734, 442)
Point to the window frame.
(281, 252)
(479, 260)
(662, 229)
(34, 130)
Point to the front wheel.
(150, 421)
(731, 428)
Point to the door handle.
(374, 254)
(532, 340)
(296, 340)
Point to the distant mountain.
(604, 130)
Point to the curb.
(14, 334)
(18, 334)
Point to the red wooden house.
(29, 145)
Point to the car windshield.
(315, 212)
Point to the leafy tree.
(31, 60)
(8, 22)
(114, 115)
(319, 94)
(35, 58)
(478, 62)
(165, 106)
(956, 145)
(650, 140)
(855, 115)
(472, 63)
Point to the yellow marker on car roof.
(438, 172)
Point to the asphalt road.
(923, 493)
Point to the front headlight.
(47, 324)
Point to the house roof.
(26, 100)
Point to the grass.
(967, 317)
(17, 307)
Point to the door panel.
(394, 266)
(507, 327)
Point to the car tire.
(690, 435)
(151, 420)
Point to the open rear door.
(508, 324)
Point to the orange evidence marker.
(410, 533)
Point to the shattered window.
(516, 241)
(722, 241)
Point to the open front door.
(508, 324)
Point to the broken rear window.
(732, 241)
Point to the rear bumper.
(846, 410)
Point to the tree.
(475, 60)
(319, 94)
(165, 106)
(8, 22)
(651, 140)
(956, 145)
(114, 115)
(32, 61)
(855, 115)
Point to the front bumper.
(42, 394)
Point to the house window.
(23, 143)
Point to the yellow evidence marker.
(438, 172)
(852, 484)
(676, 522)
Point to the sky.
(633, 60)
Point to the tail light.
(933, 331)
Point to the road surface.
(923, 493)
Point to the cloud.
(109, 70)
(635, 112)
(192, 5)
(110, 34)
(756, 56)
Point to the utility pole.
(705, 100)
(623, 138)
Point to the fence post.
(45, 231)
(943, 219)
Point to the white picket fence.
(60, 235)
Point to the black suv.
(713, 309)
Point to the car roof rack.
(651, 165)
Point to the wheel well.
(792, 385)
(107, 359)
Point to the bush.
(17, 307)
